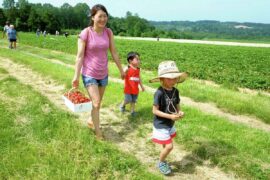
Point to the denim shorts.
(88, 80)
(131, 98)
(12, 40)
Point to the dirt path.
(135, 138)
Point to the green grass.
(227, 99)
(37, 140)
(233, 147)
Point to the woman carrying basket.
(92, 61)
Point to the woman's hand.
(122, 75)
(75, 83)
(143, 89)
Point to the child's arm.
(125, 69)
(140, 82)
(159, 113)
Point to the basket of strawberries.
(76, 101)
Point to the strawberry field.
(231, 66)
(41, 139)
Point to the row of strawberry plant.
(234, 66)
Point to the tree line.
(216, 29)
(29, 17)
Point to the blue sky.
(192, 10)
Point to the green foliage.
(2, 18)
(71, 31)
(8, 4)
(39, 140)
(232, 66)
(29, 17)
(240, 66)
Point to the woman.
(92, 60)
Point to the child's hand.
(181, 114)
(177, 116)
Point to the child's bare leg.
(167, 148)
(14, 45)
(132, 107)
(124, 103)
(123, 106)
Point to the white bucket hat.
(168, 69)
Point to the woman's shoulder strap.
(109, 32)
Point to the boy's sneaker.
(164, 168)
(133, 114)
(122, 108)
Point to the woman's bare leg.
(96, 94)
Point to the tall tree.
(81, 11)
(2, 17)
(10, 10)
(66, 16)
(34, 20)
(8, 4)
(23, 10)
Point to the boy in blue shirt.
(12, 37)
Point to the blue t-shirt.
(162, 99)
(11, 33)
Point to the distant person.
(38, 32)
(158, 38)
(66, 34)
(57, 33)
(12, 37)
(132, 82)
(44, 33)
(166, 110)
(92, 61)
(6, 27)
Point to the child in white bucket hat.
(166, 110)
